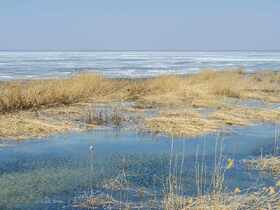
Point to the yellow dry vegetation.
(27, 125)
(34, 94)
(245, 116)
(188, 123)
(267, 198)
(208, 88)
(269, 164)
(218, 90)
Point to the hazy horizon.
(140, 50)
(91, 25)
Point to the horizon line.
(139, 50)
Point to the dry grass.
(237, 84)
(28, 125)
(245, 116)
(255, 198)
(104, 117)
(265, 199)
(206, 89)
(269, 164)
(209, 89)
(43, 122)
(22, 95)
(187, 123)
(98, 201)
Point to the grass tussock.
(267, 198)
(104, 117)
(98, 201)
(22, 95)
(188, 123)
(245, 116)
(269, 164)
(27, 125)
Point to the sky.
(139, 25)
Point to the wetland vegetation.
(194, 142)
(188, 105)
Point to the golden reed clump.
(21, 95)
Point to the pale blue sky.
(139, 25)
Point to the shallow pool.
(61, 171)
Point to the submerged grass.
(23, 188)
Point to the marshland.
(139, 105)
(208, 140)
